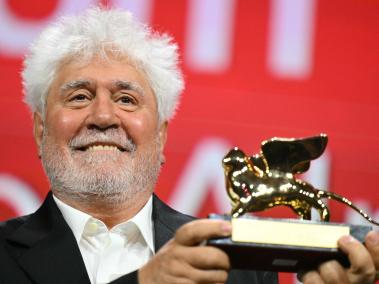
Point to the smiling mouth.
(101, 147)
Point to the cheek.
(142, 129)
(62, 126)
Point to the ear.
(162, 135)
(38, 128)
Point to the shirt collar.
(77, 220)
(143, 220)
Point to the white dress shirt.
(109, 254)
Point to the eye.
(78, 98)
(126, 100)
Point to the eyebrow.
(76, 84)
(122, 84)
(126, 85)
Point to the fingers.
(328, 272)
(206, 258)
(179, 270)
(195, 232)
(181, 260)
(362, 269)
(312, 277)
(332, 272)
(364, 262)
(372, 245)
(206, 276)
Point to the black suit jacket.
(41, 248)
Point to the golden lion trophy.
(268, 179)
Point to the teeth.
(102, 148)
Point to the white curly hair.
(98, 32)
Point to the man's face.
(100, 136)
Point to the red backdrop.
(254, 70)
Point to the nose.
(103, 112)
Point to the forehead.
(101, 71)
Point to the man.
(102, 88)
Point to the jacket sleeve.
(130, 278)
(235, 277)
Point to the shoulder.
(9, 226)
(168, 216)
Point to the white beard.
(112, 176)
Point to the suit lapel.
(47, 252)
(46, 249)
(166, 222)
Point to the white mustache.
(109, 136)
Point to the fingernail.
(373, 238)
(347, 239)
(226, 228)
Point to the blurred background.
(254, 70)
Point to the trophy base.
(287, 245)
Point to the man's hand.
(364, 263)
(182, 260)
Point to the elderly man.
(102, 88)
